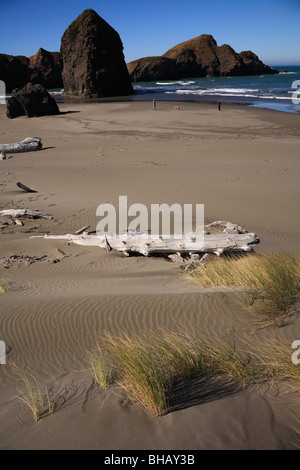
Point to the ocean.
(278, 92)
(266, 91)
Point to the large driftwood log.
(136, 242)
(26, 145)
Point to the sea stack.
(93, 59)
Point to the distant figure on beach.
(219, 105)
(154, 104)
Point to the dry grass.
(149, 367)
(140, 372)
(32, 395)
(276, 360)
(271, 282)
(100, 368)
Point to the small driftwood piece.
(136, 242)
(16, 213)
(25, 188)
(83, 229)
(18, 222)
(26, 145)
(2, 155)
(8, 262)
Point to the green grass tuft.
(271, 282)
(100, 368)
(149, 367)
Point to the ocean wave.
(229, 92)
(180, 82)
(56, 93)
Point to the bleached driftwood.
(228, 226)
(136, 242)
(26, 145)
(2, 155)
(25, 213)
(81, 230)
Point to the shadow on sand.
(200, 390)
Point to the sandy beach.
(242, 163)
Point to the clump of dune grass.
(277, 360)
(271, 282)
(139, 371)
(149, 367)
(225, 359)
(32, 395)
(100, 368)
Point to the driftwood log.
(26, 145)
(137, 242)
(25, 213)
(25, 188)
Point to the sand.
(242, 163)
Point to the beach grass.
(138, 369)
(277, 361)
(32, 395)
(149, 367)
(271, 282)
(100, 368)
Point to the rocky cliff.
(198, 57)
(93, 60)
(42, 68)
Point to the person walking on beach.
(154, 104)
(219, 105)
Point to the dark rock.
(93, 60)
(31, 100)
(14, 108)
(198, 57)
(152, 68)
(44, 68)
(13, 71)
(254, 66)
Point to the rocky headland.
(198, 57)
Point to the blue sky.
(270, 28)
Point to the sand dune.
(241, 163)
